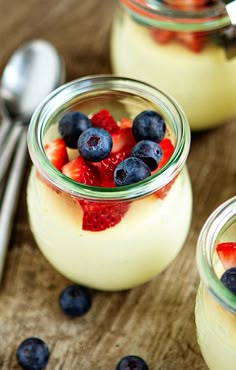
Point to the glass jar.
(150, 234)
(215, 310)
(186, 53)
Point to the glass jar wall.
(150, 232)
(186, 52)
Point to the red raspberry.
(104, 120)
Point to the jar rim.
(224, 215)
(96, 83)
(153, 13)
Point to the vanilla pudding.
(202, 82)
(121, 257)
(216, 317)
(131, 249)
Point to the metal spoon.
(33, 71)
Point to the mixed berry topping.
(32, 354)
(227, 254)
(123, 140)
(149, 152)
(109, 154)
(229, 279)
(95, 144)
(131, 363)
(188, 4)
(194, 41)
(81, 171)
(75, 300)
(167, 150)
(71, 126)
(57, 153)
(149, 125)
(109, 164)
(130, 170)
(100, 216)
(104, 120)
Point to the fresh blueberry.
(75, 300)
(149, 152)
(229, 279)
(130, 170)
(71, 126)
(131, 363)
(32, 354)
(95, 144)
(149, 125)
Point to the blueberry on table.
(229, 279)
(149, 152)
(71, 126)
(131, 363)
(149, 125)
(95, 144)
(130, 170)
(32, 354)
(75, 300)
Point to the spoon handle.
(11, 196)
(9, 149)
(5, 124)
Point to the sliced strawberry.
(167, 150)
(82, 171)
(227, 254)
(162, 36)
(101, 216)
(193, 40)
(109, 164)
(187, 4)
(56, 153)
(125, 123)
(104, 120)
(124, 140)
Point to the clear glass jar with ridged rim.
(150, 232)
(187, 52)
(215, 310)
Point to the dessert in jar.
(183, 47)
(215, 310)
(104, 210)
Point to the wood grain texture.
(154, 321)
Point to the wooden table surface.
(154, 321)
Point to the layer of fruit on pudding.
(110, 245)
(216, 325)
(192, 67)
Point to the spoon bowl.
(32, 72)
